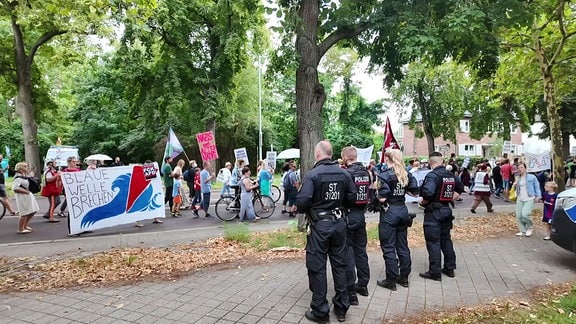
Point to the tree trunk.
(310, 95)
(565, 145)
(553, 118)
(24, 106)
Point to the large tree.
(33, 25)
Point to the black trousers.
(437, 226)
(358, 258)
(327, 238)
(393, 235)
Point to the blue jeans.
(225, 190)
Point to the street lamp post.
(259, 109)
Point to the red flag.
(389, 141)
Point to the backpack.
(186, 176)
(34, 185)
(287, 182)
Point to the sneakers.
(472, 211)
(340, 317)
(310, 316)
(61, 214)
(138, 224)
(195, 211)
(283, 211)
(520, 234)
(529, 232)
(448, 272)
(362, 291)
(388, 284)
(427, 275)
(353, 300)
(546, 238)
(208, 216)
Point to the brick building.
(464, 146)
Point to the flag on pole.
(389, 141)
(173, 147)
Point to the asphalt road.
(44, 231)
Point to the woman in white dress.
(25, 200)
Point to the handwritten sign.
(106, 197)
(207, 145)
(538, 162)
(364, 154)
(241, 153)
(271, 159)
(419, 175)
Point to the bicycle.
(228, 207)
(275, 193)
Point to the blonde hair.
(552, 184)
(19, 166)
(395, 162)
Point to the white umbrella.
(98, 157)
(292, 153)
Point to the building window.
(465, 126)
(467, 149)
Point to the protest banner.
(364, 155)
(538, 161)
(419, 175)
(271, 159)
(106, 197)
(207, 145)
(240, 153)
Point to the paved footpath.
(278, 292)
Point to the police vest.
(331, 187)
(397, 192)
(445, 185)
(361, 177)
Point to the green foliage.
(237, 233)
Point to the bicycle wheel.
(2, 210)
(264, 206)
(275, 193)
(223, 210)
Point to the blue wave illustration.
(118, 205)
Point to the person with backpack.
(395, 183)
(224, 176)
(357, 236)
(291, 183)
(25, 200)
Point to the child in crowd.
(549, 197)
(177, 196)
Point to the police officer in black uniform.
(325, 192)
(395, 183)
(439, 189)
(357, 237)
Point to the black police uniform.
(438, 190)
(325, 190)
(393, 226)
(357, 237)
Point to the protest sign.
(240, 153)
(106, 197)
(364, 155)
(538, 162)
(419, 175)
(207, 145)
(271, 159)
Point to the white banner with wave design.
(106, 197)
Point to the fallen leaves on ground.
(127, 265)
